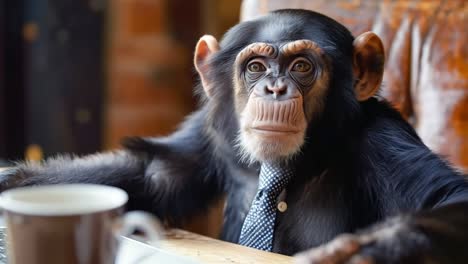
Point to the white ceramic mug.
(71, 223)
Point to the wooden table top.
(208, 250)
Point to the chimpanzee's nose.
(280, 89)
(277, 90)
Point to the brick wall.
(149, 87)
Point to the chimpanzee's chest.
(308, 214)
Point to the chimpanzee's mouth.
(275, 129)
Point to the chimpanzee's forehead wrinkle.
(288, 25)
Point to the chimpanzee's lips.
(277, 129)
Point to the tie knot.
(274, 178)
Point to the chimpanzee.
(292, 132)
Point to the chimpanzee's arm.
(172, 177)
(433, 201)
(433, 225)
(425, 200)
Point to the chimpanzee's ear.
(206, 47)
(368, 65)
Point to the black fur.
(361, 163)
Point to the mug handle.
(143, 221)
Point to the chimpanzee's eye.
(301, 66)
(256, 67)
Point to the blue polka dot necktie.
(259, 225)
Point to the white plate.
(132, 251)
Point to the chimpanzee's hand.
(395, 241)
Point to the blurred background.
(78, 75)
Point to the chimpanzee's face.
(278, 89)
(280, 70)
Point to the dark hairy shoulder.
(382, 119)
(190, 138)
(406, 169)
(191, 148)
